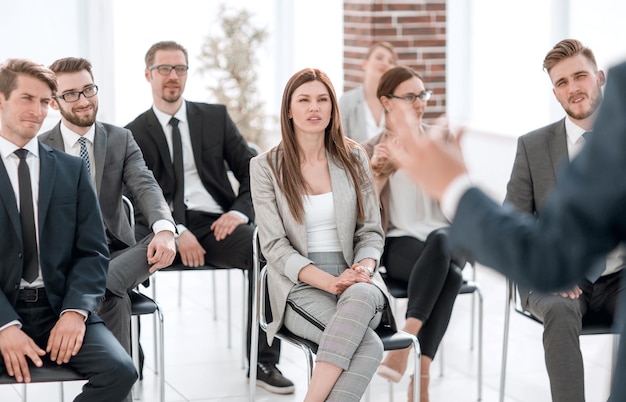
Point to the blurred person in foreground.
(582, 220)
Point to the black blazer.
(217, 146)
(73, 252)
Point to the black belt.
(32, 295)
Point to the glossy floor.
(201, 368)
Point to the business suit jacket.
(120, 167)
(284, 240)
(353, 114)
(215, 140)
(583, 219)
(540, 155)
(73, 252)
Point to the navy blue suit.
(73, 257)
(582, 221)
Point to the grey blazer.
(119, 167)
(540, 155)
(352, 109)
(284, 240)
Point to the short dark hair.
(71, 65)
(565, 49)
(164, 45)
(12, 68)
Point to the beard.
(594, 103)
(80, 121)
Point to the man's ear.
(54, 104)
(147, 75)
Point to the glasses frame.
(78, 94)
(180, 69)
(423, 96)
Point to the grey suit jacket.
(540, 155)
(352, 108)
(284, 240)
(582, 220)
(119, 167)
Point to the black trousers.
(235, 251)
(101, 359)
(433, 278)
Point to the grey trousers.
(562, 324)
(127, 269)
(343, 327)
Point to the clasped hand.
(349, 277)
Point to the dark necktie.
(84, 153)
(179, 175)
(30, 270)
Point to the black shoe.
(270, 378)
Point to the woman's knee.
(363, 292)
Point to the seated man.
(572, 69)
(115, 163)
(188, 146)
(53, 247)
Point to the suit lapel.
(55, 138)
(194, 121)
(101, 139)
(557, 145)
(158, 136)
(345, 202)
(47, 173)
(8, 199)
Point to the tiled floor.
(201, 368)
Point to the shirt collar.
(70, 137)
(7, 147)
(164, 118)
(573, 131)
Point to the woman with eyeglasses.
(415, 231)
(362, 116)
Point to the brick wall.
(416, 28)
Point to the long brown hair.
(285, 163)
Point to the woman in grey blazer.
(319, 228)
(362, 115)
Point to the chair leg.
(244, 319)
(61, 396)
(161, 341)
(505, 340)
(134, 334)
(417, 370)
(480, 344)
(228, 309)
(180, 287)
(24, 397)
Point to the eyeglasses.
(423, 96)
(166, 69)
(74, 96)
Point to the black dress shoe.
(270, 378)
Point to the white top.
(411, 211)
(372, 128)
(321, 224)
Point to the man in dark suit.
(189, 147)
(53, 248)
(115, 164)
(583, 219)
(577, 85)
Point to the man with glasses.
(115, 164)
(189, 147)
